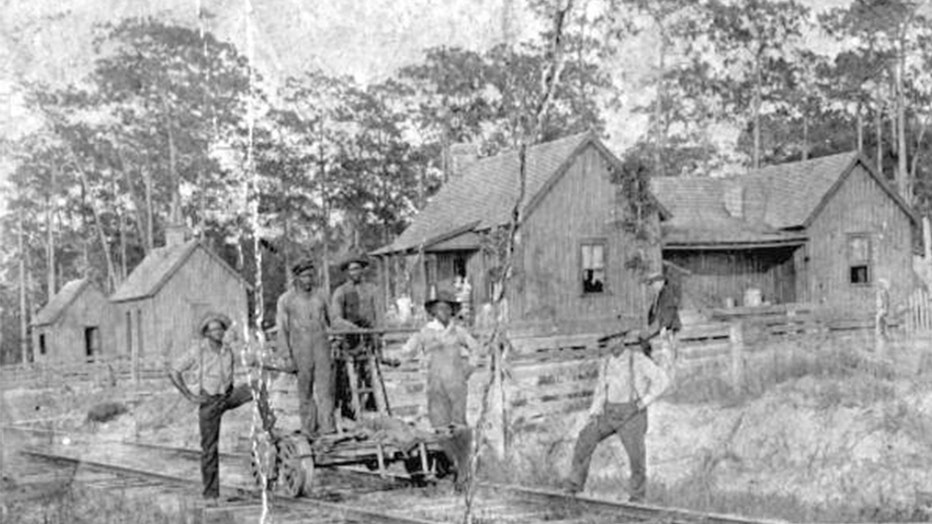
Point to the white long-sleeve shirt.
(449, 349)
(626, 378)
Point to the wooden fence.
(918, 311)
(112, 370)
(553, 376)
(549, 375)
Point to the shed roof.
(159, 266)
(483, 195)
(60, 302)
(777, 202)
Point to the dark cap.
(302, 265)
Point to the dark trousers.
(630, 425)
(210, 414)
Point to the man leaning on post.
(213, 360)
(628, 383)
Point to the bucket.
(752, 297)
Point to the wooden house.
(571, 272)
(158, 307)
(74, 326)
(823, 231)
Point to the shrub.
(106, 411)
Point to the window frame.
(851, 263)
(581, 271)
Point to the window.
(91, 342)
(859, 259)
(42, 344)
(592, 262)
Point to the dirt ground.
(850, 433)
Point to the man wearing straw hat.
(213, 358)
(302, 319)
(450, 352)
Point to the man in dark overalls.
(354, 306)
(302, 321)
(450, 352)
(213, 360)
(663, 320)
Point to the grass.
(826, 374)
(76, 505)
(793, 359)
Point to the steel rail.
(304, 506)
(644, 511)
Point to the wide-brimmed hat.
(213, 317)
(359, 258)
(302, 265)
(442, 293)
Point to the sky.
(369, 39)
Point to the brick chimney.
(734, 198)
(462, 156)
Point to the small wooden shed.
(823, 230)
(157, 308)
(74, 326)
(572, 271)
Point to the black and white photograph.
(465, 261)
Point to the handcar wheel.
(296, 471)
(441, 465)
(263, 461)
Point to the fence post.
(736, 340)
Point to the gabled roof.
(483, 195)
(159, 266)
(778, 202)
(60, 302)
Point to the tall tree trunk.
(122, 229)
(659, 128)
(805, 137)
(23, 312)
(141, 207)
(420, 189)
(286, 252)
(50, 238)
(325, 258)
(902, 175)
(150, 219)
(878, 129)
(98, 225)
(860, 126)
(757, 107)
(86, 243)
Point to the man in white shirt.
(450, 352)
(212, 360)
(628, 382)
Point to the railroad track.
(342, 495)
